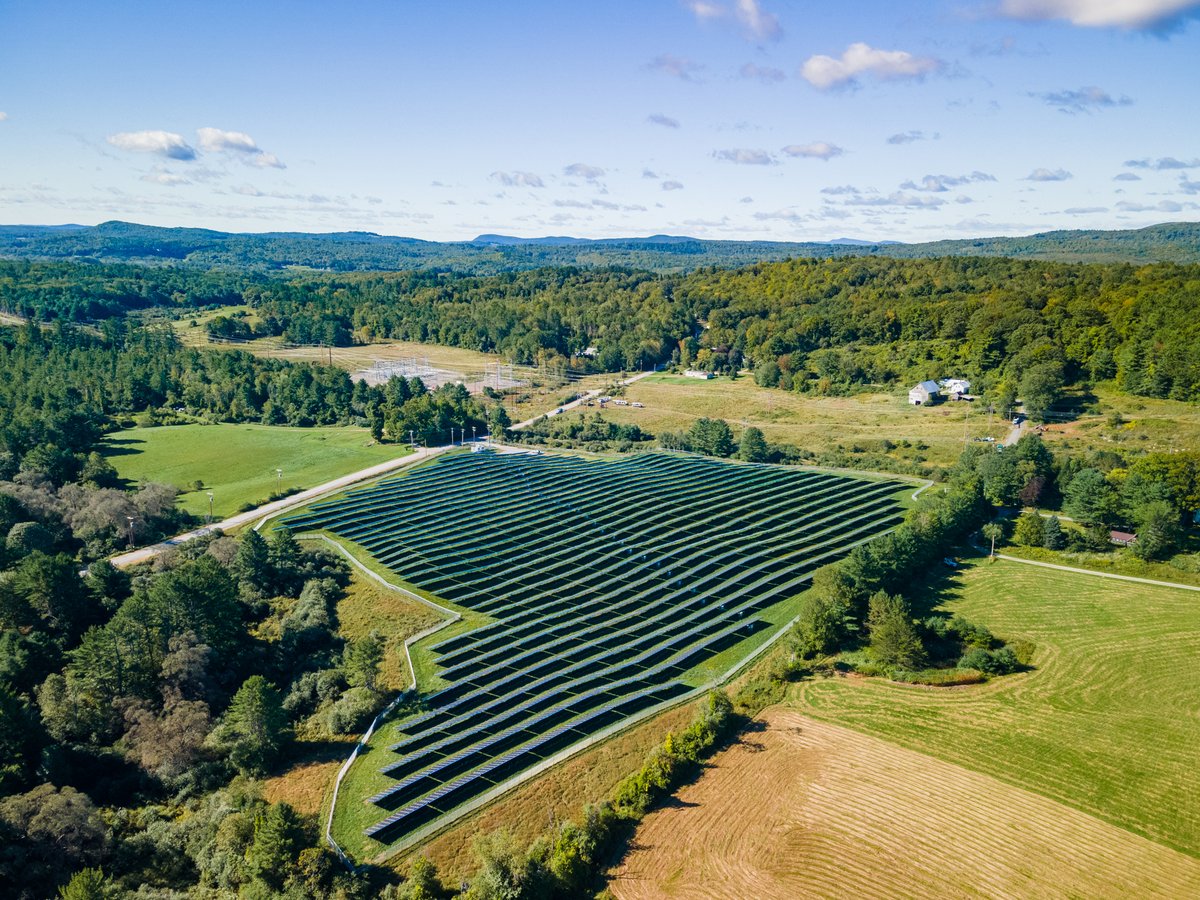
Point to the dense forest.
(491, 254)
(829, 326)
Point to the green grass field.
(237, 462)
(1106, 722)
(858, 424)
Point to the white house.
(922, 392)
(951, 386)
(697, 373)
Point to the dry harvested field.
(863, 421)
(803, 808)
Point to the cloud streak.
(676, 66)
(827, 72)
(664, 121)
(1084, 100)
(518, 179)
(940, 183)
(744, 156)
(1163, 163)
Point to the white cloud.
(1127, 176)
(1163, 162)
(816, 150)
(162, 143)
(518, 179)
(664, 121)
(584, 171)
(676, 67)
(825, 72)
(672, 186)
(1084, 210)
(1084, 100)
(746, 200)
(940, 183)
(1128, 14)
(649, 173)
(840, 189)
(3, 116)
(765, 74)
(217, 140)
(1048, 175)
(1188, 187)
(744, 156)
(266, 161)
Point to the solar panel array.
(607, 580)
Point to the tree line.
(1014, 327)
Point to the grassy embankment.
(237, 462)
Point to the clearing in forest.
(802, 808)
(237, 463)
(862, 425)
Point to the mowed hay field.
(237, 462)
(673, 403)
(1067, 780)
(803, 808)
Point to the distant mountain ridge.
(491, 253)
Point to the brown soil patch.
(803, 808)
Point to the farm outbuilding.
(923, 392)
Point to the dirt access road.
(579, 401)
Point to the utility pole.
(210, 507)
(131, 520)
(278, 481)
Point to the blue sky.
(755, 119)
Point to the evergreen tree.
(278, 839)
(255, 727)
(753, 446)
(894, 638)
(1052, 534)
(252, 564)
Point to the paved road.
(133, 557)
(1046, 565)
(582, 399)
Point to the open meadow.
(1105, 419)
(237, 463)
(803, 808)
(1076, 778)
(864, 423)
